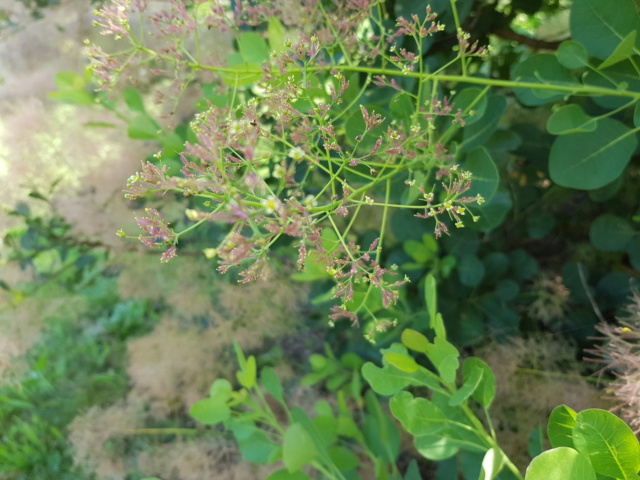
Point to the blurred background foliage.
(104, 350)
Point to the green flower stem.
(188, 229)
(383, 223)
(456, 20)
(492, 82)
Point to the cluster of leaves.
(583, 444)
(369, 107)
(79, 359)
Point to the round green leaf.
(601, 26)
(470, 270)
(540, 224)
(486, 391)
(572, 55)
(471, 103)
(414, 340)
(383, 381)
(418, 416)
(210, 411)
(492, 213)
(479, 132)
(545, 70)
(560, 463)
(435, 447)
(298, 448)
(507, 289)
(560, 427)
(221, 389)
(402, 362)
(591, 160)
(608, 442)
(485, 178)
(570, 119)
(633, 250)
(285, 474)
(610, 233)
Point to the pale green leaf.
(560, 463)
(298, 449)
(560, 427)
(414, 340)
(608, 442)
(623, 51)
(210, 411)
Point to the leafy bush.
(397, 154)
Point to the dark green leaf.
(470, 270)
(485, 179)
(610, 233)
(412, 472)
(623, 51)
(477, 133)
(633, 250)
(545, 70)
(601, 26)
(536, 442)
(570, 119)
(472, 102)
(591, 160)
(572, 55)
(540, 224)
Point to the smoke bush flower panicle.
(274, 161)
(620, 353)
(157, 232)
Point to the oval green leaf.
(414, 340)
(570, 119)
(485, 178)
(572, 55)
(545, 70)
(470, 270)
(610, 233)
(560, 463)
(402, 362)
(298, 448)
(608, 442)
(591, 160)
(473, 104)
(560, 427)
(601, 26)
(486, 389)
(210, 411)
